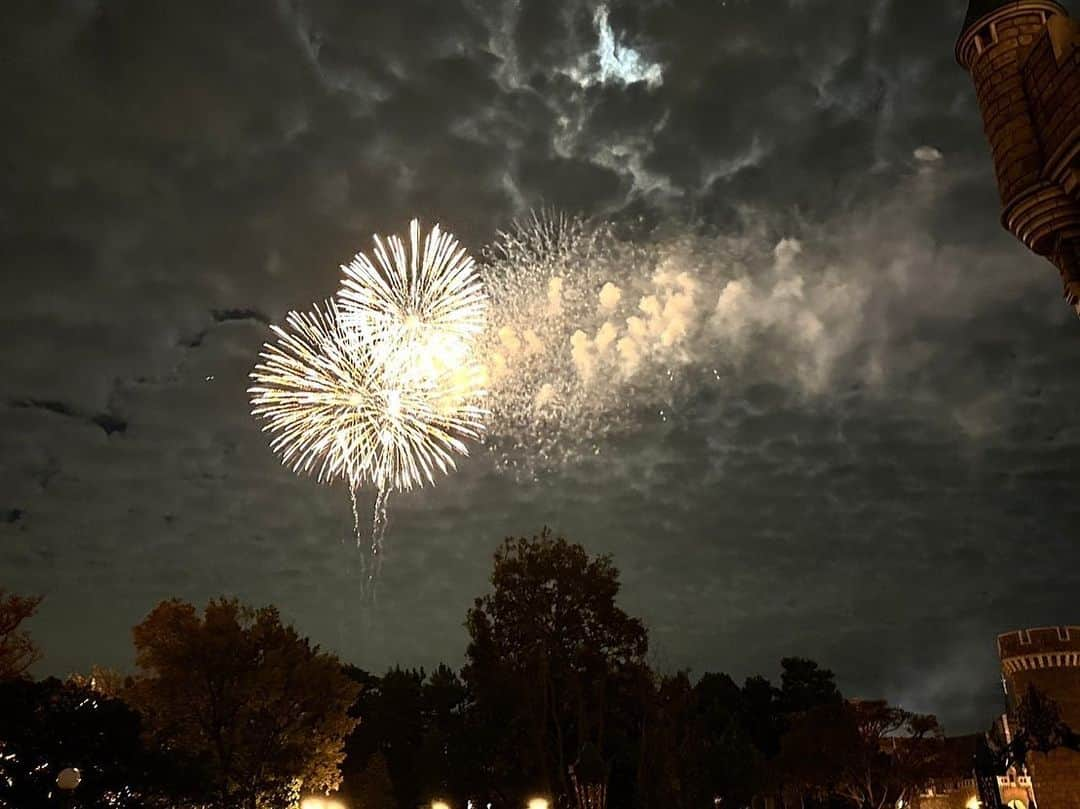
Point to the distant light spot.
(928, 154)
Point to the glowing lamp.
(69, 778)
(538, 803)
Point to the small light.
(538, 803)
(313, 803)
(69, 778)
(440, 804)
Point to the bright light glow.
(380, 386)
(321, 803)
(974, 802)
(928, 154)
(538, 803)
(440, 805)
(620, 62)
(426, 297)
(69, 778)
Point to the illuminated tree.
(18, 652)
(263, 708)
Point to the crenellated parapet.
(1042, 648)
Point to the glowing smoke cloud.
(588, 332)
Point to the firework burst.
(339, 411)
(380, 387)
(425, 297)
(417, 309)
(317, 391)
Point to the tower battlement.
(1041, 648)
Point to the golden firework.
(342, 406)
(425, 296)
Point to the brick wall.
(1052, 84)
(999, 85)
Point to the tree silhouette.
(549, 652)
(18, 652)
(1040, 727)
(374, 789)
(805, 685)
(869, 754)
(263, 710)
(418, 724)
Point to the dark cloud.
(108, 422)
(884, 494)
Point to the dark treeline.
(230, 708)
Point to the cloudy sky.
(883, 492)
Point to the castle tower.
(1048, 659)
(1024, 57)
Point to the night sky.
(177, 175)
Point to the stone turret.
(1049, 660)
(1024, 58)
